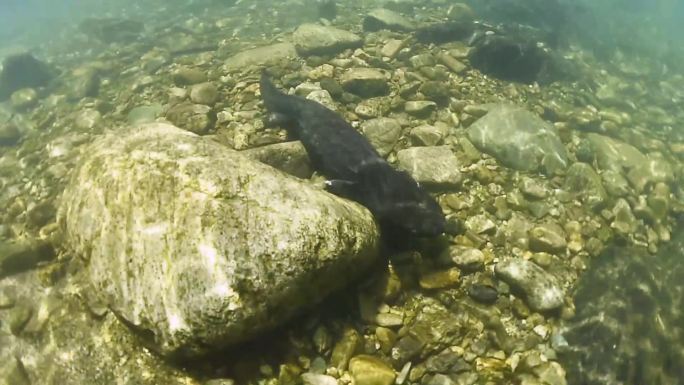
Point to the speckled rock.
(381, 18)
(420, 108)
(541, 289)
(196, 118)
(24, 98)
(204, 93)
(143, 114)
(87, 119)
(548, 237)
(185, 242)
(369, 370)
(583, 180)
(433, 166)
(624, 222)
(266, 55)
(290, 157)
(9, 133)
(365, 82)
(519, 139)
(382, 133)
(315, 39)
(427, 135)
(641, 170)
(188, 76)
(467, 258)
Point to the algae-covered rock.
(434, 166)
(519, 139)
(365, 82)
(290, 157)
(266, 55)
(201, 247)
(583, 180)
(368, 370)
(382, 133)
(23, 71)
(381, 18)
(314, 39)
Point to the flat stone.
(315, 39)
(143, 114)
(427, 135)
(365, 82)
(369, 370)
(318, 379)
(202, 247)
(381, 18)
(382, 133)
(420, 108)
(541, 289)
(204, 93)
(440, 279)
(19, 256)
(392, 48)
(188, 76)
(434, 166)
(548, 237)
(455, 65)
(467, 258)
(196, 118)
(267, 55)
(345, 348)
(519, 139)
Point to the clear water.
(635, 339)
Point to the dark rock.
(23, 71)
(19, 256)
(439, 33)
(483, 293)
(508, 58)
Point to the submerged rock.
(112, 30)
(289, 157)
(314, 39)
(583, 180)
(196, 118)
(266, 55)
(23, 71)
(365, 82)
(435, 166)
(439, 33)
(519, 139)
(508, 58)
(381, 18)
(541, 289)
(382, 133)
(199, 246)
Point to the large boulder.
(519, 139)
(199, 246)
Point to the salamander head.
(399, 203)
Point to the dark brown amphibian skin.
(354, 168)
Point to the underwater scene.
(341, 192)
